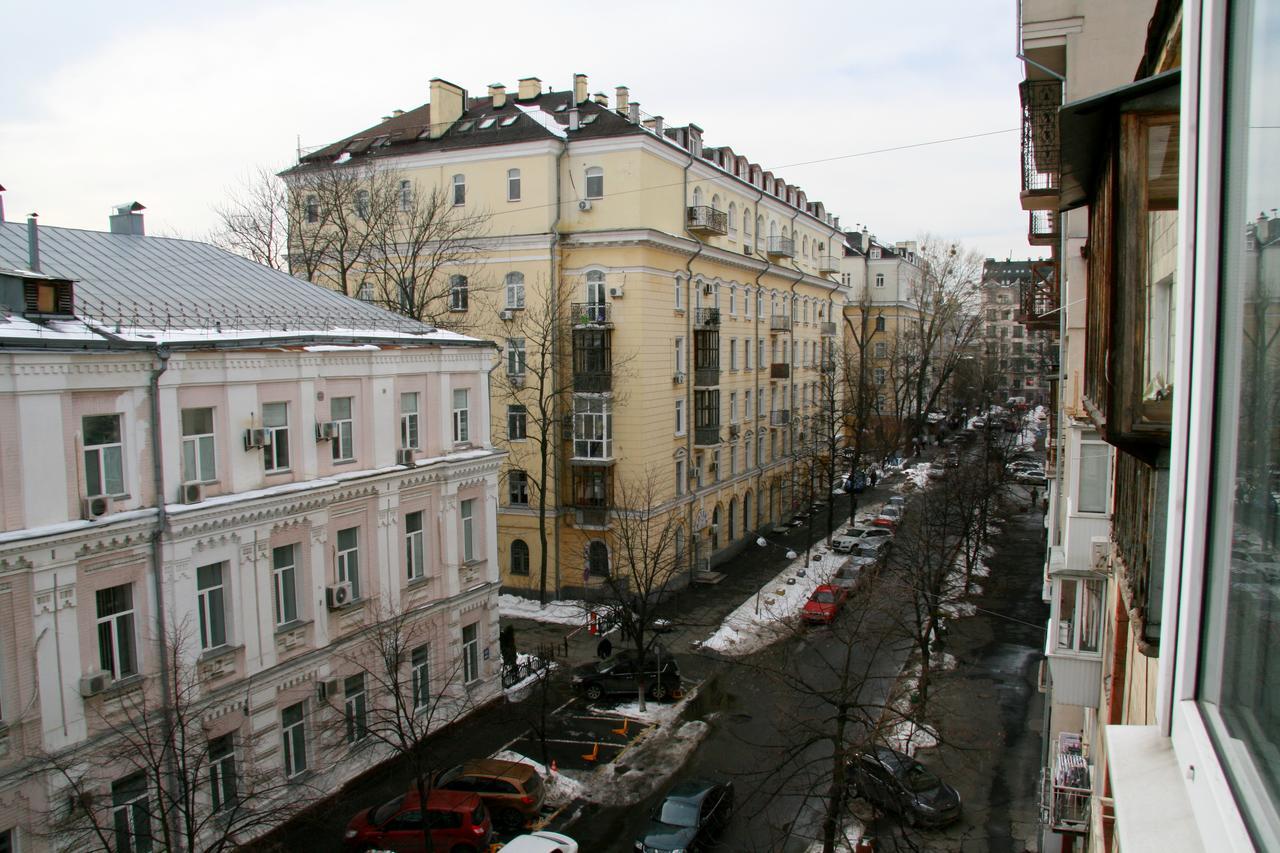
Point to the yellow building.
(696, 294)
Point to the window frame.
(517, 421)
(415, 545)
(466, 516)
(346, 559)
(197, 442)
(461, 416)
(520, 558)
(420, 676)
(117, 634)
(284, 585)
(513, 185)
(276, 454)
(459, 194)
(355, 708)
(459, 292)
(471, 653)
(211, 607)
(343, 444)
(514, 285)
(410, 433)
(293, 738)
(221, 772)
(593, 177)
(517, 487)
(108, 462)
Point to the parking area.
(581, 738)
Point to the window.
(733, 219)
(1095, 476)
(468, 530)
(365, 294)
(875, 254)
(275, 419)
(117, 653)
(517, 488)
(519, 558)
(459, 190)
(461, 416)
(515, 357)
(597, 559)
(760, 404)
(679, 355)
(131, 814)
(679, 293)
(222, 772)
(517, 423)
(457, 293)
(210, 602)
(592, 428)
(1079, 617)
(415, 546)
(680, 477)
(293, 734)
(420, 671)
(313, 209)
(103, 455)
(746, 226)
(513, 184)
(348, 558)
(406, 196)
(595, 182)
(678, 541)
(880, 327)
(197, 446)
(362, 204)
(881, 349)
(715, 465)
(409, 421)
(515, 289)
(746, 404)
(680, 420)
(284, 583)
(470, 652)
(733, 407)
(355, 708)
(879, 279)
(343, 444)
(880, 375)
(733, 299)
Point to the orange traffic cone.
(623, 730)
(593, 754)
(554, 769)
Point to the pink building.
(208, 462)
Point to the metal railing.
(828, 263)
(707, 219)
(1042, 227)
(706, 376)
(592, 381)
(780, 323)
(1041, 144)
(705, 435)
(707, 317)
(781, 247)
(590, 313)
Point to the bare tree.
(254, 220)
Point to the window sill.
(1153, 810)
(291, 626)
(344, 461)
(217, 652)
(275, 472)
(124, 685)
(457, 310)
(416, 583)
(513, 308)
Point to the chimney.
(633, 112)
(126, 218)
(1, 203)
(498, 92)
(654, 124)
(447, 103)
(33, 243)
(621, 100)
(601, 98)
(530, 88)
(397, 113)
(579, 88)
(574, 120)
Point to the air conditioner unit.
(256, 438)
(1100, 554)
(708, 289)
(677, 378)
(192, 493)
(326, 430)
(711, 467)
(516, 380)
(615, 292)
(326, 688)
(339, 594)
(746, 250)
(96, 507)
(404, 456)
(584, 205)
(506, 314)
(733, 430)
(94, 683)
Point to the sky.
(175, 104)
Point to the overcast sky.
(173, 104)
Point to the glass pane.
(197, 421)
(340, 408)
(1095, 477)
(113, 469)
(93, 472)
(1066, 614)
(209, 576)
(207, 470)
(189, 471)
(408, 404)
(101, 429)
(275, 414)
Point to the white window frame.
(195, 446)
(517, 487)
(592, 427)
(516, 357)
(514, 282)
(415, 545)
(211, 606)
(1105, 485)
(420, 676)
(346, 561)
(461, 415)
(410, 437)
(355, 708)
(406, 196)
(343, 445)
(121, 637)
(276, 454)
(680, 483)
(126, 810)
(459, 293)
(293, 738)
(517, 414)
(679, 355)
(679, 293)
(459, 190)
(681, 419)
(733, 353)
(594, 180)
(466, 512)
(284, 585)
(222, 773)
(513, 184)
(1071, 645)
(108, 459)
(471, 653)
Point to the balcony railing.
(591, 314)
(1039, 297)
(707, 220)
(780, 417)
(1041, 144)
(780, 370)
(828, 263)
(828, 328)
(706, 435)
(707, 317)
(591, 516)
(706, 377)
(781, 247)
(1042, 227)
(1069, 789)
(780, 323)
(827, 365)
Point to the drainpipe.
(557, 446)
(759, 366)
(157, 584)
(690, 413)
(791, 373)
(1019, 54)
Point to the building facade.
(1015, 356)
(218, 481)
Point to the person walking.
(874, 477)
(604, 649)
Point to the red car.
(458, 819)
(824, 604)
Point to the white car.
(542, 841)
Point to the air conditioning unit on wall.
(94, 683)
(96, 507)
(326, 430)
(404, 456)
(506, 314)
(191, 493)
(584, 205)
(256, 438)
(339, 595)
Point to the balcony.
(1068, 787)
(1042, 228)
(704, 436)
(1039, 297)
(591, 516)
(592, 360)
(706, 317)
(706, 377)
(1041, 144)
(780, 417)
(780, 323)
(780, 371)
(588, 314)
(828, 263)
(706, 220)
(828, 329)
(781, 247)
(827, 365)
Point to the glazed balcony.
(591, 314)
(780, 370)
(703, 219)
(592, 361)
(781, 247)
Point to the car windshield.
(386, 811)
(824, 597)
(678, 813)
(918, 779)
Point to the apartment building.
(1162, 645)
(1015, 355)
(217, 481)
(693, 295)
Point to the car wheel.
(658, 692)
(509, 820)
(594, 692)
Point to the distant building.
(1015, 357)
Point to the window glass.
(409, 421)
(284, 584)
(468, 530)
(519, 557)
(595, 182)
(513, 185)
(515, 289)
(213, 622)
(414, 545)
(1239, 664)
(197, 446)
(103, 455)
(470, 652)
(116, 651)
(517, 422)
(275, 419)
(461, 416)
(348, 558)
(343, 442)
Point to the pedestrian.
(874, 477)
(1035, 497)
(604, 649)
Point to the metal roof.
(169, 284)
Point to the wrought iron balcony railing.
(707, 317)
(828, 263)
(1041, 144)
(707, 220)
(780, 323)
(590, 314)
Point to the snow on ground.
(518, 691)
(559, 612)
(847, 838)
(560, 788)
(642, 769)
(908, 736)
(771, 613)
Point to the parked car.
(1020, 465)
(889, 517)
(459, 823)
(847, 577)
(542, 841)
(898, 783)
(511, 790)
(1030, 476)
(620, 675)
(879, 538)
(896, 500)
(953, 460)
(978, 423)
(843, 544)
(824, 604)
(691, 817)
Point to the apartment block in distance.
(695, 296)
(218, 481)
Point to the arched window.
(746, 512)
(804, 245)
(362, 204)
(595, 182)
(519, 557)
(733, 299)
(759, 232)
(697, 196)
(515, 289)
(598, 559)
(773, 229)
(715, 202)
(459, 190)
(595, 294)
(733, 511)
(733, 218)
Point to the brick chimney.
(622, 100)
(447, 103)
(498, 92)
(530, 88)
(579, 88)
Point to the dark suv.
(898, 783)
(620, 675)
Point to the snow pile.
(846, 841)
(558, 612)
(908, 736)
(647, 766)
(560, 788)
(768, 616)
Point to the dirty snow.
(642, 769)
(560, 788)
(557, 612)
(852, 834)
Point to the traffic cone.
(554, 769)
